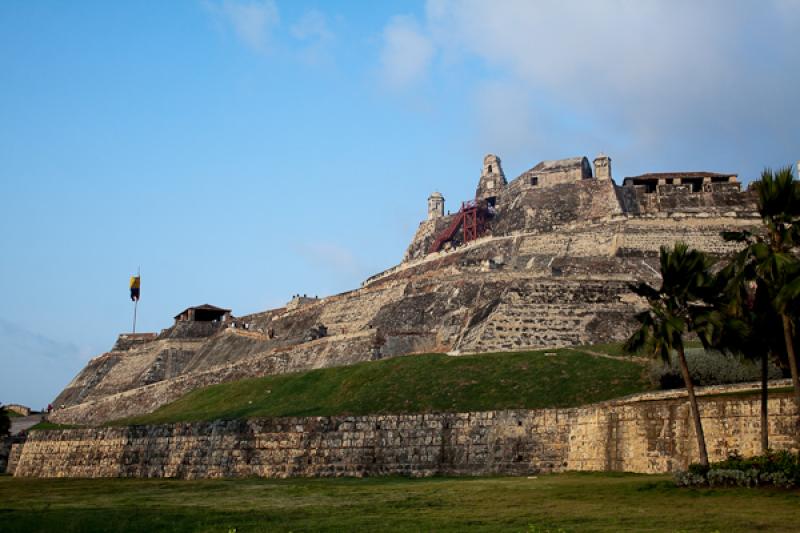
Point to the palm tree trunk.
(698, 425)
(787, 338)
(764, 399)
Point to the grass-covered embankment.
(44, 424)
(416, 384)
(566, 503)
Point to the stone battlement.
(126, 341)
(555, 193)
(654, 434)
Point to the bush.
(777, 469)
(709, 368)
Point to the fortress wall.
(643, 235)
(648, 436)
(596, 241)
(638, 235)
(545, 313)
(329, 351)
(115, 371)
(542, 209)
(357, 309)
(716, 198)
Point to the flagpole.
(136, 301)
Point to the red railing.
(472, 217)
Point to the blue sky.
(244, 151)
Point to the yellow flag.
(136, 282)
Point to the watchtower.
(435, 206)
(492, 181)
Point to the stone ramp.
(23, 423)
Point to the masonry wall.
(650, 434)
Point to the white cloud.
(407, 52)
(680, 75)
(314, 31)
(331, 257)
(312, 25)
(252, 21)
(42, 367)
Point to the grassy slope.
(567, 502)
(415, 384)
(51, 425)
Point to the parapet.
(696, 181)
(300, 301)
(126, 341)
(22, 410)
(696, 191)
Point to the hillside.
(416, 384)
(549, 264)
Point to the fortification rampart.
(649, 435)
(522, 291)
(547, 263)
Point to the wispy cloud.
(331, 257)
(313, 25)
(681, 76)
(252, 21)
(42, 367)
(316, 36)
(407, 52)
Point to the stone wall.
(126, 341)
(334, 351)
(552, 269)
(6, 445)
(22, 410)
(650, 434)
(714, 198)
(528, 290)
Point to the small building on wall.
(547, 173)
(693, 181)
(203, 313)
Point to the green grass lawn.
(416, 384)
(51, 425)
(566, 502)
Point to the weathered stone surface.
(552, 270)
(649, 433)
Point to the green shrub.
(5, 422)
(778, 469)
(709, 368)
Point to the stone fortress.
(543, 260)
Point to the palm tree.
(675, 309)
(770, 260)
(753, 327)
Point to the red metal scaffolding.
(471, 218)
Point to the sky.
(241, 151)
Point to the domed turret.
(435, 206)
